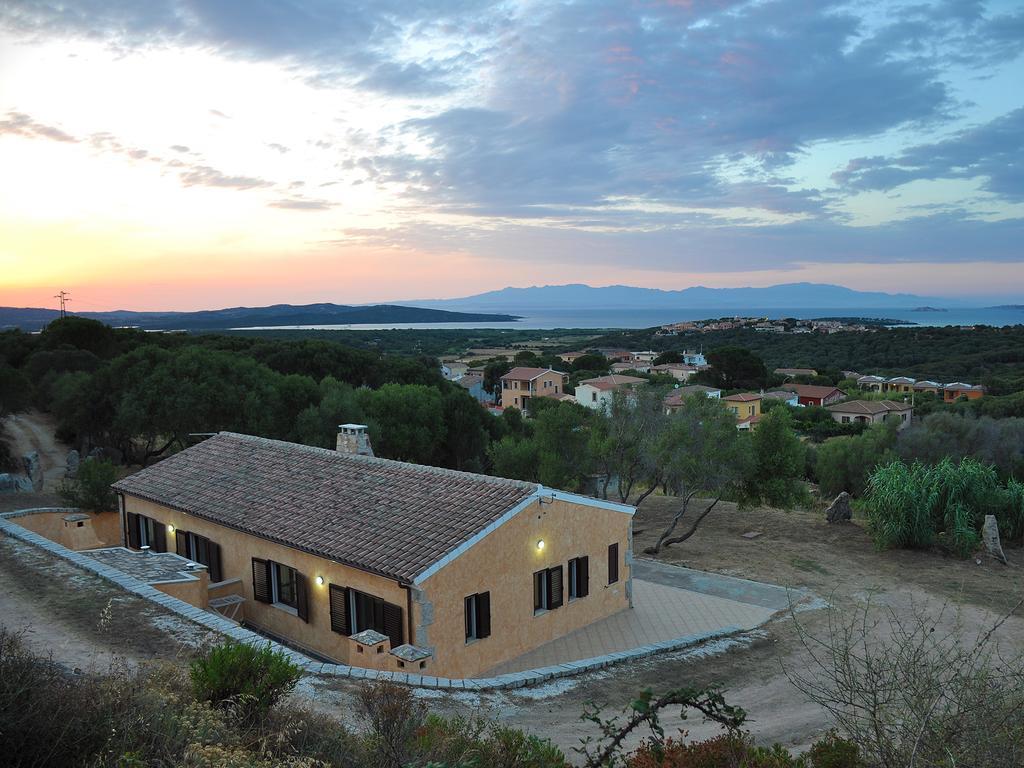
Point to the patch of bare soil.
(82, 620)
(34, 431)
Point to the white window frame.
(274, 588)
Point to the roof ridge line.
(443, 471)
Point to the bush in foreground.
(244, 678)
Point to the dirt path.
(34, 431)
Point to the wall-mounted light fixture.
(540, 544)
(320, 581)
(170, 528)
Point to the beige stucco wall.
(100, 530)
(503, 563)
(237, 550)
(192, 591)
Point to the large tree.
(735, 368)
(779, 458)
(700, 452)
(624, 444)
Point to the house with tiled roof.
(746, 406)
(811, 394)
(872, 412)
(521, 384)
(674, 399)
(378, 563)
(957, 389)
(598, 392)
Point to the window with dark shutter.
(132, 523)
(261, 587)
(213, 564)
(393, 624)
(181, 542)
(579, 577)
(159, 541)
(555, 591)
(540, 590)
(613, 563)
(483, 615)
(301, 597)
(339, 610)
(478, 616)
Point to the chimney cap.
(352, 427)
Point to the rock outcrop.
(839, 510)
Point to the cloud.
(203, 175)
(19, 124)
(301, 204)
(279, 148)
(992, 151)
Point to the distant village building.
(597, 393)
(810, 394)
(872, 412)
(746, 406)
(521, 384)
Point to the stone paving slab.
(660, 615)
(741, 590)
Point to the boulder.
(839, 510)
(72, 463)
(11, 483)
(33, 470)
(990, 537)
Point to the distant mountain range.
(28, 318)
(788, 296)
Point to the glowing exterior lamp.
(170, 528)
(320, 581)
(540, 544)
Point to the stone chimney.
(354, 439)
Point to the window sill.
(286, 608)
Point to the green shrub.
(244, 678)
(833, 751)
(945, 504)
(91, 488)
(462, 741)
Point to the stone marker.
(990, 536)
(839, 510)
(33, 470)
(71, 464)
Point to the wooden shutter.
(301, 597)
(555, 596)
(339, 610)
(483, 615)
(214, 565)
(582, 576)
(393, 624)
(132, 521)
(261, 589)
(202, 547)
(159, 543)
(181, 542)
(613, 563)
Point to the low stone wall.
(92, 530)
(218, 623)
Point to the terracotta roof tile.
(387, 517)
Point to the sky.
(187, 154)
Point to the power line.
(64, 297)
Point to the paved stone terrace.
(661, 612)
(149, 567)
(516, 679)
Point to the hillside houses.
(906, 385)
